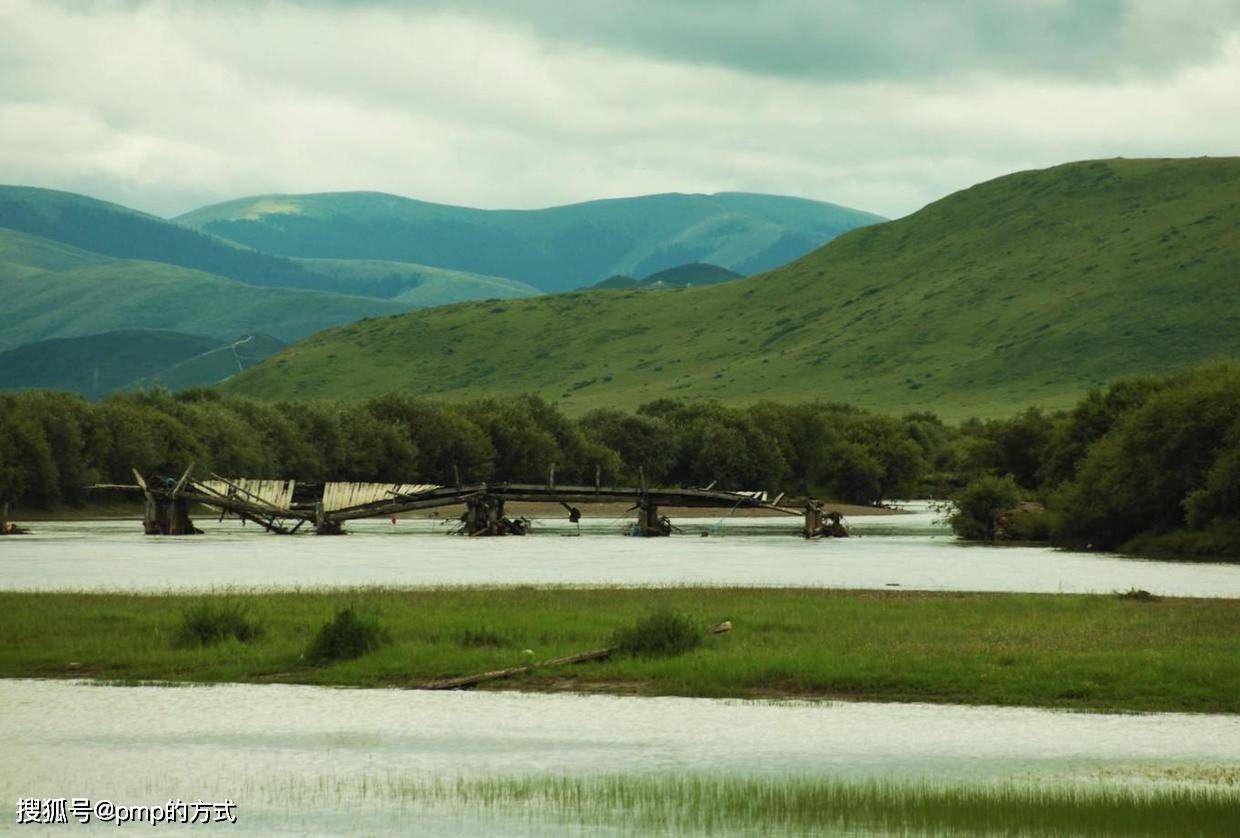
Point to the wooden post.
(813, 519)
(650, 524)
(551, 477)
(598, 476)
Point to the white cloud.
(165, 106)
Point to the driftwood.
(580, 657)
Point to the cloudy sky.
(878, 104)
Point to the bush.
(661, 633)
(979, 504)
(210, 621)
(348, 635)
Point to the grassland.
(797, 805)
(1027, 289)
(1083, 652)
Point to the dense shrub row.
(1150, 465)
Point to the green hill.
(1026, 289)
(123, 233)
(95, 365)
(122, 294)
(418, 286)
(552, 249)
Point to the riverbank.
(1080, 652)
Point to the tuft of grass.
(661, 633)
(210, 621)
(349, 634)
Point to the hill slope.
(95, 365)
(122, 294)
(552, 249)
(123, 233)
(418, 286)
(1025, 289)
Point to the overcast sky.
(877, 104)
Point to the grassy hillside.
(681, 276)
(418, 286)
(95, 365)
(552, 249)
(42, 254)
(124, 294)
(120, 232)
(1026, 289)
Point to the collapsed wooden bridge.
(286, 507)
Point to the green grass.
(704, 803)
(1084, 652)
(1028, 289)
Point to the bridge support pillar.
(167, 516)
(650, 524)
(484, 516)
(819, 524)
(324, 525)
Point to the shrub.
(209, 621)
(979, 503)
(348, 635)
(661, 633)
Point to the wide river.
(913, 551)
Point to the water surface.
(907, 551)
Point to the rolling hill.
(120, 294)
(1026, 289)
(112, 230)
(95, 365)
(418, 286)
(553, 249)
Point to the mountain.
(1027, 289)
(112, 230)
(81, 225)
(681, 276)
(95, 365)
(553, 249)
(121, 294)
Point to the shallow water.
(906, 551)
(309, 758)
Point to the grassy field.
(705, 804)
(1084, 652)
(1028, 289)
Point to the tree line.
(1148, 464)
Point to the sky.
(882, 105)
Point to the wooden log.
(580, 657)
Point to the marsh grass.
(349, 634)
(1069, 651)
(206, 622)
(697, 803)
(662, 633)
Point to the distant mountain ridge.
(1026, 289)
(681, 276)
(553, 249)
